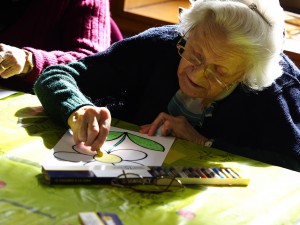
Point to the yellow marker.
(99, 152)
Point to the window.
(134, 16)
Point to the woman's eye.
(198, 56)
(221, 70)
(196, 61)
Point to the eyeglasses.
(147, 184)
(209, 70)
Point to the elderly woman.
(218, 78)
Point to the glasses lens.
(163, 184)
(209, 71)
(140, 184)
(180, 50)
(128, 180)
(214, 77)
(189, 57)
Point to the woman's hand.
(14, 61)
(176, 126)
(90, 125)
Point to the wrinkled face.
(208, 66)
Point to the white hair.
(257, 34)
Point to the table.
(27, 134)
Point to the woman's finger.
(166, 128)
(158, 122)
(82, 128)
(144, 129)
(104, 127)
(92, 131)
(8, 72)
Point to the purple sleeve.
(85, 28)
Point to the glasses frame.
(125, 181)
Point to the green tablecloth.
(27, 134)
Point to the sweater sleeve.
(119, 78)
(85, 28)
(58, 92)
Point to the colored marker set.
(101, 174)
(202, 175)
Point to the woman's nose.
(196, 73)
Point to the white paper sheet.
(123, 147)
(5, 93)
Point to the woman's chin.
(191, 91)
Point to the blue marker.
(217, 171)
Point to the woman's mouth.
(193, 84)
